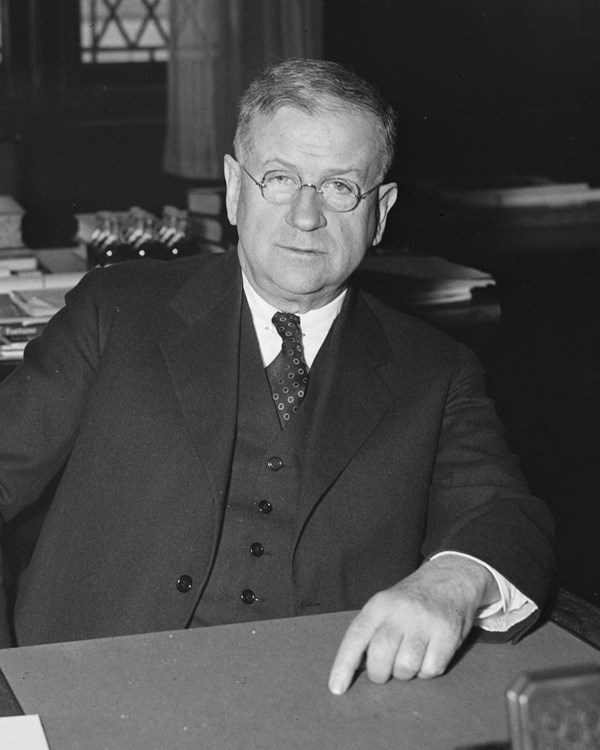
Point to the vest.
(251, 578)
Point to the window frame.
(153, 22)
(119, 75)
(42, 58)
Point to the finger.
(350, 653)
(409, 657)
(381, 654)
(440, 651)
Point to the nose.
(305, 210)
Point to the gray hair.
(314, 86)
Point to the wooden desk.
(264, 685)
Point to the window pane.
(117, 31)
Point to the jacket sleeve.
(499, 522)
(41, 403)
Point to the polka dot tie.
(288, 373)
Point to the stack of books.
(17, 328)
(207, 220)
(18, 260)
(19, 267)
(27, 302)
(23, 315)
(29, 296)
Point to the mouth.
(300, 250)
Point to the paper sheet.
(22, 733)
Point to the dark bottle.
(110, 246)
(180, 242)
(98, 237)
(145, 242)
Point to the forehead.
(342, 139)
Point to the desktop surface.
(264, 685)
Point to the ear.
(233, 179)
(386, 198)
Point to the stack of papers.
(427, 280)
(29, 297)
(39, 303)
(17, 260)
(23, 315)
(22, 733)
(551, 195)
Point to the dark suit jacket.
(133, 386)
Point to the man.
(199, 488)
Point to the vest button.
(265, 506)
(184, 583)
(257, 549)
(248, 596)
(274, 463)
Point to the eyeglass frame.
(358, 196)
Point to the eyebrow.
(289, 167)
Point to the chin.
(295, 284)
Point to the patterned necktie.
(288, 373)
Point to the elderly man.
(247, 436)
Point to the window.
(77, 45)
(123, 31)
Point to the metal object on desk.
(555, 709)
(578, 616)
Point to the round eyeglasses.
(338, 194)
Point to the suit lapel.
(347, 398)
(200, 344)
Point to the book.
(12, 352)
(205, 228)
(209, 201)
(60, 260)
(10, 311)
(40, 303)
(39, 280)
(16, 328)
(17, 259)
(550, 195)
(21, 331)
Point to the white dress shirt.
(513, 606)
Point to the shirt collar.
(315, 324)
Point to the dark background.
(483, 88)
(486, 90)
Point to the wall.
(483, 87)
(492, 89)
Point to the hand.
(415, 627)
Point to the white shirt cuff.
(510, 609)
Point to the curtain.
(217, 48)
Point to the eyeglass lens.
(338, 194)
